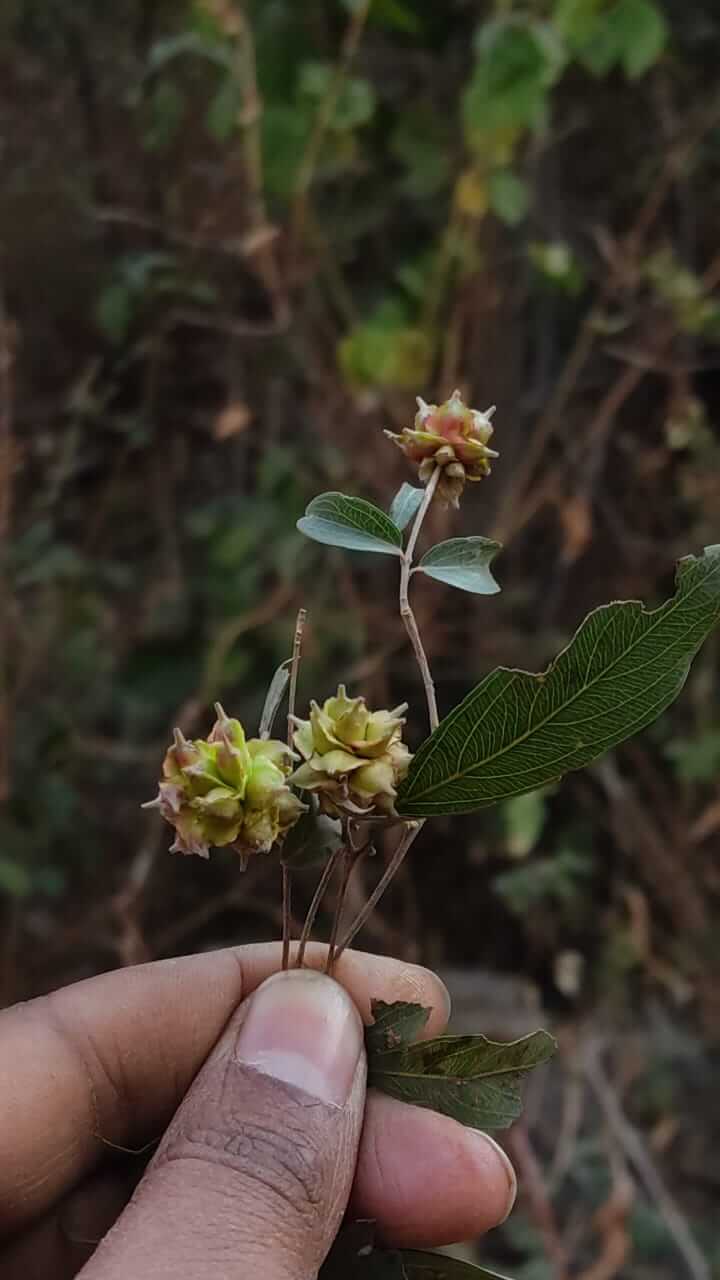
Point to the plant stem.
(294, 668)
(318, 896)
(411, 831)
(292, 694)
(349, 861)
(286, 914)
(406, 612)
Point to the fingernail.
(304, 1029)
(494, 1155)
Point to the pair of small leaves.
(516, 731)
(469, 1078)
(354, 1257)
(357, 525)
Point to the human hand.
(261, 1082)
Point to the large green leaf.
(463, 563)
(518, 731)
(352, 523)
(470, 1078)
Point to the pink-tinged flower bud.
(225, 790)
(353, 759)
(452, 437)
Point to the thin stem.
(411, 832)
(286, 872)
(294, 668)
(349, 861)
(286, 915)
(6, 472)
(318, 896)
(406, 612)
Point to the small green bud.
(225, 790)
(353, 758)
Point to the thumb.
(253, 1175)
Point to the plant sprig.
(345, 775)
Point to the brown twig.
(640, 1159)
(349, 860)
(314, 907)
(323, 119)
(250, 121)
(539, 1203)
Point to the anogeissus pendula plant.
(345, 780)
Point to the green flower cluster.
(353, 758)
(227, 790)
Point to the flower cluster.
(452, 437)
(227, 790)
(353, 759)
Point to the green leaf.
(646, 34)
(392, 14)
(394, 1025)
(273, 698)
(311, 841)
(354, 105)
(462, 563)
(509, 197)
(518, 61)
(386, 351)
(632, 34)
(470, 1078)
(189, 42)
(405, 504)
(352, 523)
(518, 731)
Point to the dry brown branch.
(306, 172)
(539, 1203)
(611, 1225)
(639, 1158)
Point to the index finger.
(107, 1060)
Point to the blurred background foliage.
(236, 240)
